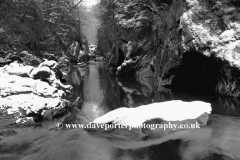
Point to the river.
(101, 93)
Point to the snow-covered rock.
(24, 97)
(17, 69)
(129, 122)
(25, 105)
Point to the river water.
(101, 93)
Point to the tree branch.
(50, 8)
(75, 6)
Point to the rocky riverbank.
(26, 100)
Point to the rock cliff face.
(200, 48)
(191, 45)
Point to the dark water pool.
(101, 92)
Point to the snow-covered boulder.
(17, 69)
(24, 97)
(31, 105)
(153, 120)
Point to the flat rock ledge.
(26, 99)
(128, 120)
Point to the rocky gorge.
(121, 79)
(185, 45)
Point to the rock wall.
(187, 45)
(200, 48)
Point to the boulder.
(47, 75)
(29, 59)
(14, 85)
(17, 69)
(49, 63)
(127, 69)
(93, 49)
(130, 121)
(49, 56)
(63, 62)
(26, 98)
(43, 73)
(31, 105)
(15, 58)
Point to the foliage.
(107, 29)
(38, 25)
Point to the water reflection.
(220, 139)
(75, 77)
(134, 92)
(95, 91)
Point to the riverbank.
(30, 95)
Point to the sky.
(89, 3)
